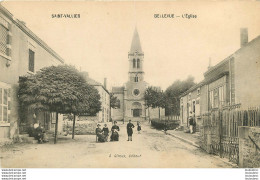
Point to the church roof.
(117, 89)
(136, 45)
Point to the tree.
(114, 103)
(173, 93)
(60, 89)
(154, 98)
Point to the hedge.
(160, 124)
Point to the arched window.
(134, 62)
(138, 63)
(136, 78)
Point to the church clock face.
(136, 92)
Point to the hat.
(98, 125)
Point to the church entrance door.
(136, 112)
(137, 109)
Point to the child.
(138, 127)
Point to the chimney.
(243, 37)
(209, 63)
(105, 83)
(22, 22)
(85, 74)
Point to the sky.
(174, 48)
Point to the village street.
(151, 148)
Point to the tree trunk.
(110, 114)
(149, 114)
(56, 128)
(73, 128)
(159, 113)
(171, 113)
(145, 113)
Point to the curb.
(185, 140)
(196, 145)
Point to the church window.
(134, 63)
(136, 78)
(136, 92)
(138, 63)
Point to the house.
(104, 114)
(235, 81)
(21, 53)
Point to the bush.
(160, 124)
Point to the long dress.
(115, 135)
(101, 137)
(129, 128)
(106, 132)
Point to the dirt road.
(151, 149)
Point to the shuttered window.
(4, 105)
(31, 60)
(4, 37)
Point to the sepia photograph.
(130, 84)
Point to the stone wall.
(249, 155)
(84, 127)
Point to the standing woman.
(129, 129)
(114, 130)
(105, 130)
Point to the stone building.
(21, 53)
(131, 95)
(103, 115)
(233, 81)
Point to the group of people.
(38, 132)
(103, 134)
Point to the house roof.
(203, 82)
(28, 32)
(93, 82)
(232, 55)
(209, 80)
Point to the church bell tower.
(135, 58)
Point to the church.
(130, 96)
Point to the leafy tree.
(113, 101)
(173, 93)
(60, 89)
(154, 98)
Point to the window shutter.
(31, 60)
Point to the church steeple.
(135, 58)
(136, 45)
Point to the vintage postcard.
(128, 84)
